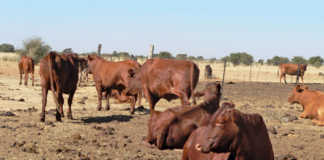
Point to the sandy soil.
(117, 135)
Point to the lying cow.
(208, 72)
(312, 102)
(166, 78)
(171, 128)
(292, 69)
(245, 136)
(113, 75)
(26, 65)
(59, 73)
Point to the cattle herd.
(208, 130)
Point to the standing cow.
(113, 75)
(166, 78)
(208, 72)
(59, 73)
(292, 69)
(26, 66)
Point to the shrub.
(316, 61)
(276, 60)
(240, 58)
(181, 56)
(298, 60)
(165, 54)
(35, 48)
(5, 47)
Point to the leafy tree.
(67, 50)
(123, 54)
(35, 48)
(192, 58)
(316, 61)
(200, 57)
(165, 54)
(212, 60)
(299, 60)
(5, 47)
(240, 58)
(276, 60)
(226, 58)
(181, 56)
(261, 61)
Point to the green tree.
(5, 47)
(191, 57)
(299, 60)
(261, 61)
(165, 54)
(123, 54)
(35, 48)
(240, 58)
(181, 56)
(212, 60)
(67, 50)
(316, 61)
(276, 60)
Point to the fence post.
(150, 56)
(298, 73)
(224, 74)
(99, 50)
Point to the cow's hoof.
(70, 116)
(19, 83)
(99, 108)
(58, 117)
(107, 108)
(132, 112)
(42, 119)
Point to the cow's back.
(291, 69)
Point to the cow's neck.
(211, 105)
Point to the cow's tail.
(194, 77)
(51, 59)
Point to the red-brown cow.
(245, 136)
(171, 128)
(312, 102)
(113, 75)
(26, 66)
(59, 73)
(166, 78)
(292, 69)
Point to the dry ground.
(117, 135)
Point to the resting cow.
(245, 136)
(312, 102)
(166, 78)
(113, 75)
(26, 66)
(292, 69)
(59, 73)
(171, 128)
(208, 72)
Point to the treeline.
(36, 48)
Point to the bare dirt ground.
(117, 135)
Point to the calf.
(244, 136)
(113, 75)
(59, 73)
(166, 78)
(26, 65)
(292, 69)
(208, 72)
(311, 101)
(171, 128)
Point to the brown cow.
(113, 75)
(26, 65)
(292, 69)
(166, 78)
(83, 70)
(208, 72)
(312, 102)
(245, 136)
(59, 73)
(171, 128)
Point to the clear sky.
(208, 28)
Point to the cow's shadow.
(107, 119)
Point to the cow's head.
(221, 133)
(212, 90)
(297, 93)
(135, 81)
(304, 67)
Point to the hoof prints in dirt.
(32, 109)
(286, 157)
(82, 101)
(30, 147)
(107, 119)
(105, 131)
(12, 99)
(7, 114)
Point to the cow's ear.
(90, 57)
(131, 73)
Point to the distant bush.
(35, 48)
(316, 61)
(165, 54)
(67, 50)
(239, 58)
(276, 60)
(181, 56)
(261, 61)
(5, 47)
(298, 60)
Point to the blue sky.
(208, 28)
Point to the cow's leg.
(302, 78)
(44, 101)
(108, 93)
(183, 96)
(151, 99)
(61, 103)
(69, 114)
(99, 93)
(33, 78)
(284, 76)
(80, 79)
(26, 78)
(133, 103)
(20, 72)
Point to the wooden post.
(225, 61)
(150, 56)
(99, 50)
(298, 73)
